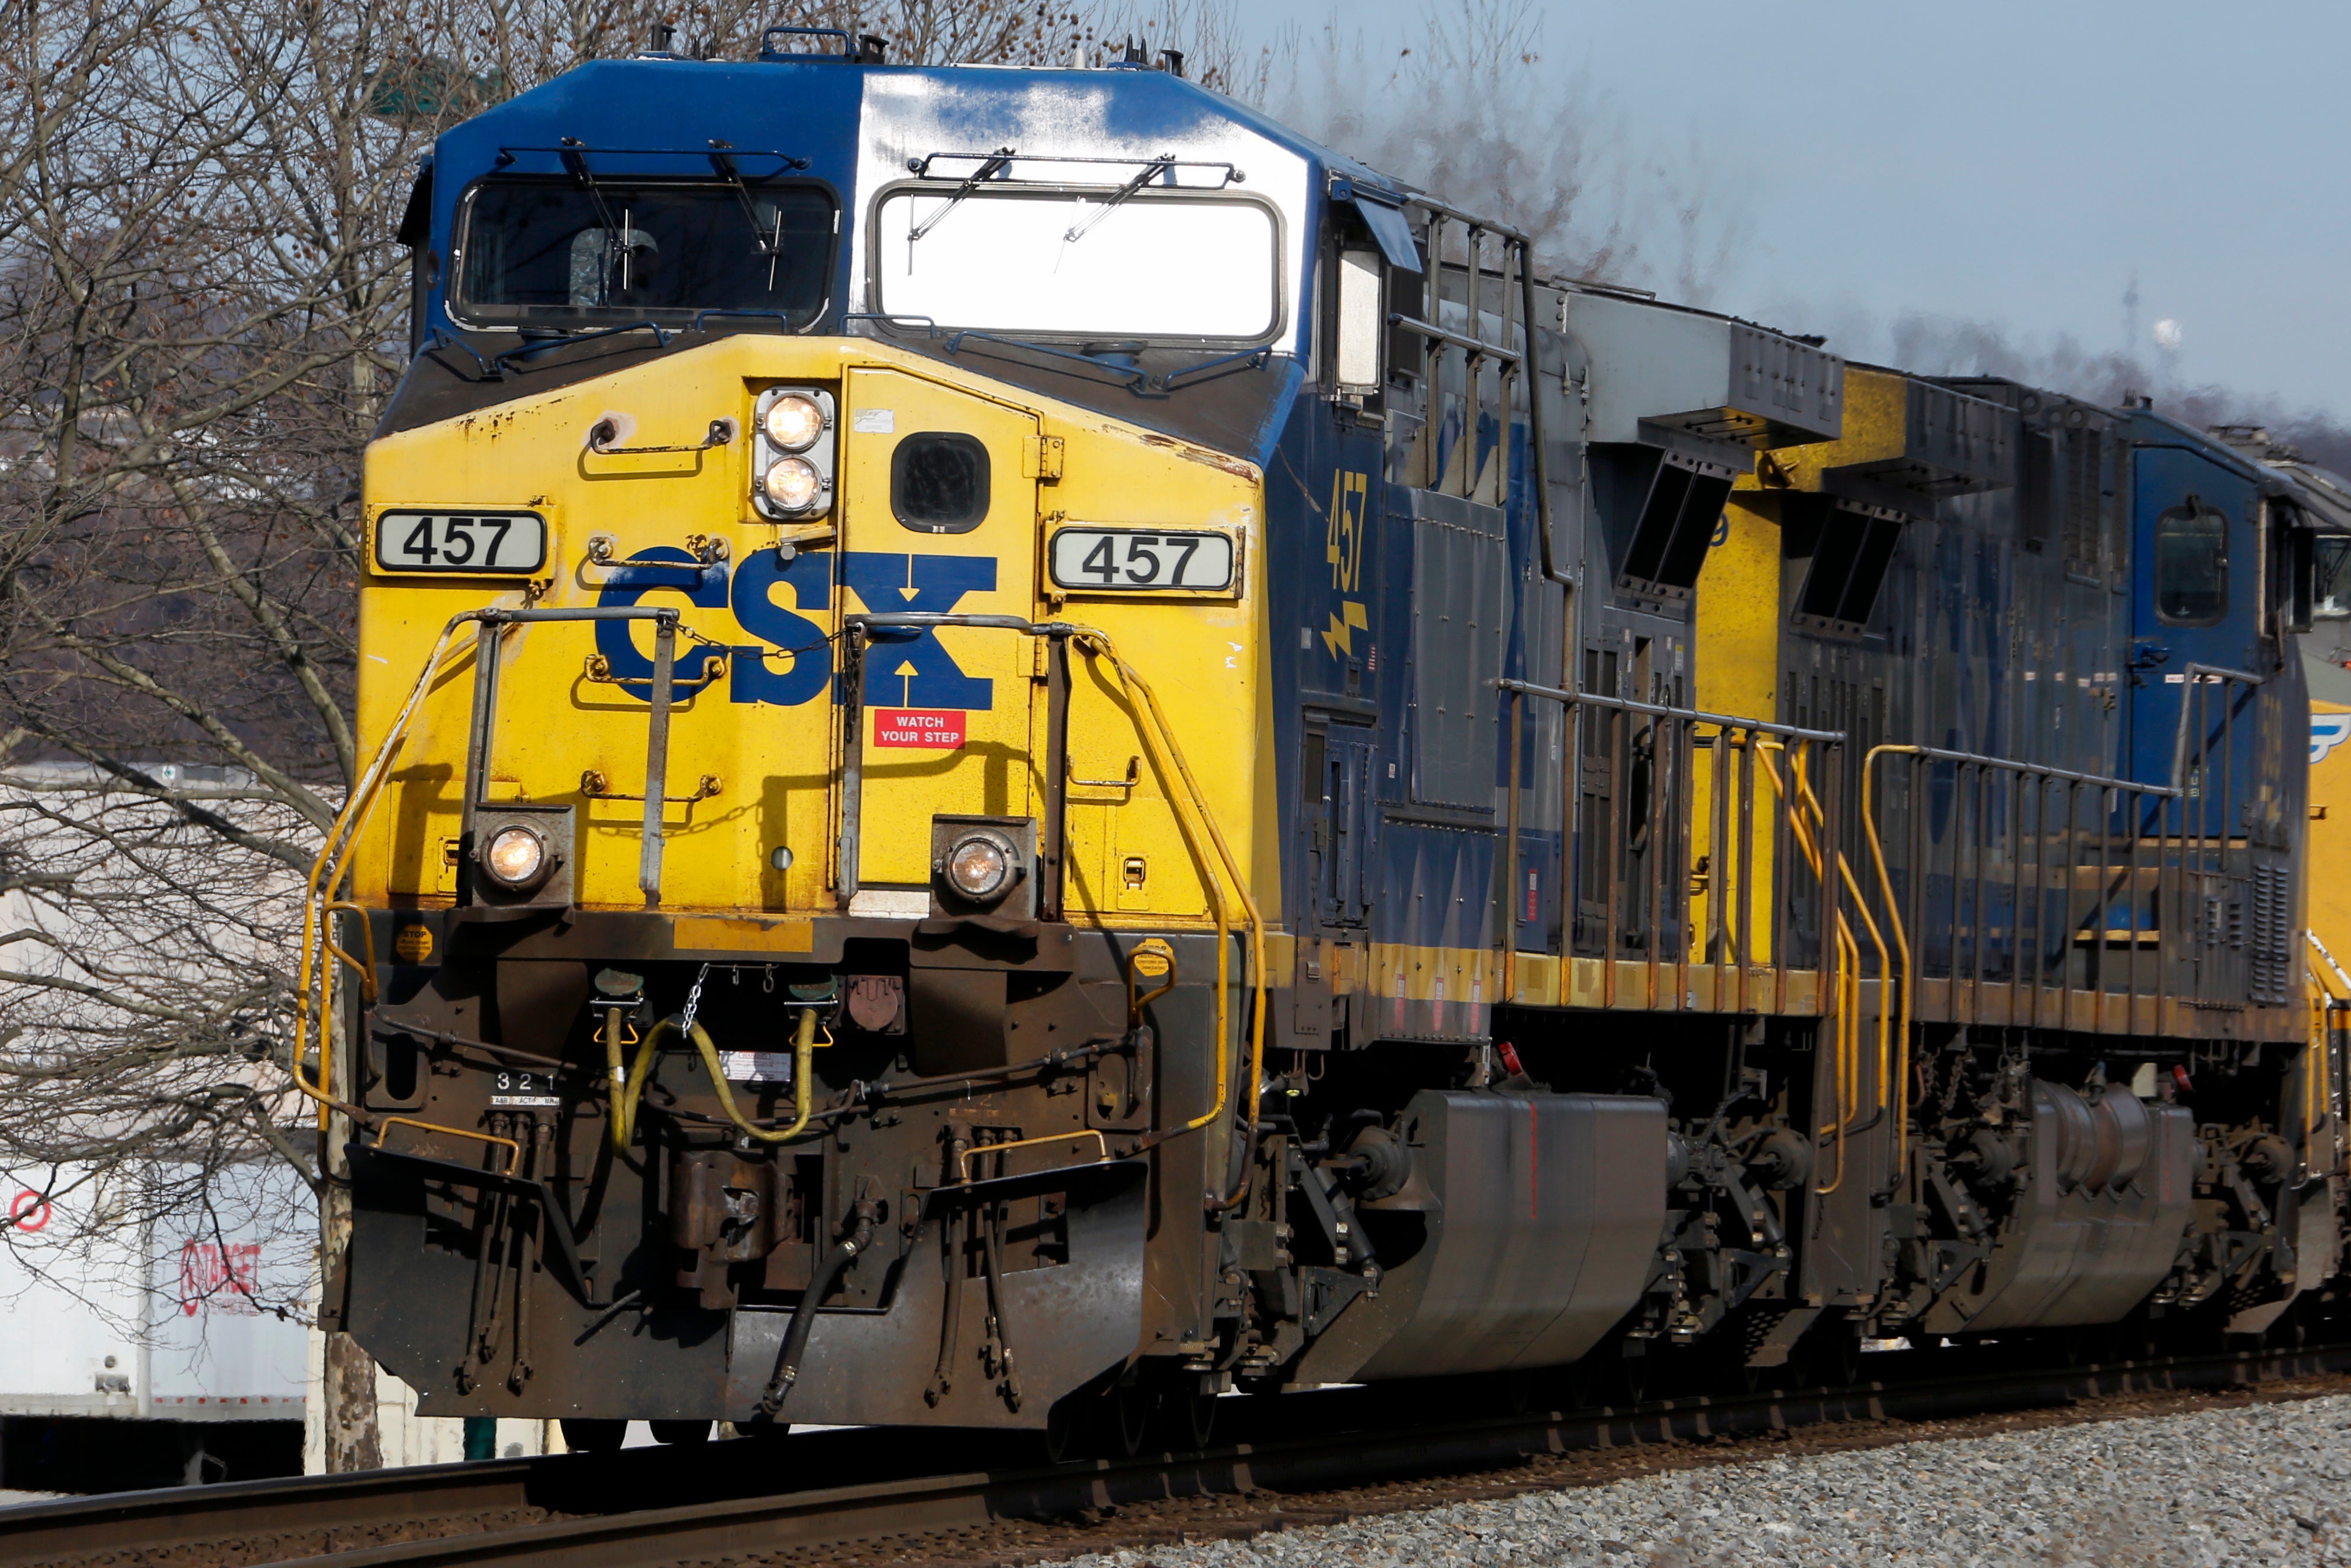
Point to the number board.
(525, 1091)
(1130, 560)
(476, 542)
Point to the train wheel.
(1835, 1354)
(1130, 1418)
(1190, 1420)
(680, 1431)
(1065, 1429)
(586, 1435)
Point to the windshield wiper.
(574, 153)
(1137, 380)
(721, 160)
(1150, 171)
(992, 165)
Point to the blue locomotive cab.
(2198, 656)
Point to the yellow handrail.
(1152, 728)
(1877, 939)
(328, 870)
(514, 1149)
(316, 977)
(1846, 975)
(1901, 941)
(1101, 1146)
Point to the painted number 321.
(524, 1089)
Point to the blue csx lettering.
(927, 674)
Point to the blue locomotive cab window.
(556, 252)
(2191, 566)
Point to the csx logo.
(793, 662)
(2327, 731)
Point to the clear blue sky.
(2004, 161)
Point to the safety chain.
(694, 1001)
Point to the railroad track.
(895, 1497)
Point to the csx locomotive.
(1037, 751)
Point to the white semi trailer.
(156, 1298)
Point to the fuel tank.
(1522, 1236)
(2105, 1205)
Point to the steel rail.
(1940, 1384)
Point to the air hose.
(629, 1084)
(828, 1274)
(803, 1046)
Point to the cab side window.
(2192, 565)
(1360, 325)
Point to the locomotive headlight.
(797, 432)
(792, 484)
(980, 866)
(793, 422)
(516, 858)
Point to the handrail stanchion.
(489, 642)
(1717, 858)
(1514, 714)
(1685, 800)
(1745, 773)
(2131, 815)
(1659, 852)
(1613, 890)
(649, 852)
(1053, 850)
(854, 644)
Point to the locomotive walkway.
(879, 1498)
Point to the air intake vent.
(1856, 545)
(2271, 964)
(1677, 522)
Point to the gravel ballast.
(2260, 1484)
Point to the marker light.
(793, 483)
(794, 422)
(980, 867)
(516, 857)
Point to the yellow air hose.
(629, 1085)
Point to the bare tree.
(1467, 107)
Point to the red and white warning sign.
(936, 729)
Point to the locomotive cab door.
(1335, 825)
(938, 509)
(2195, 590)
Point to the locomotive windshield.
(1096, 262)
(560, 252)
